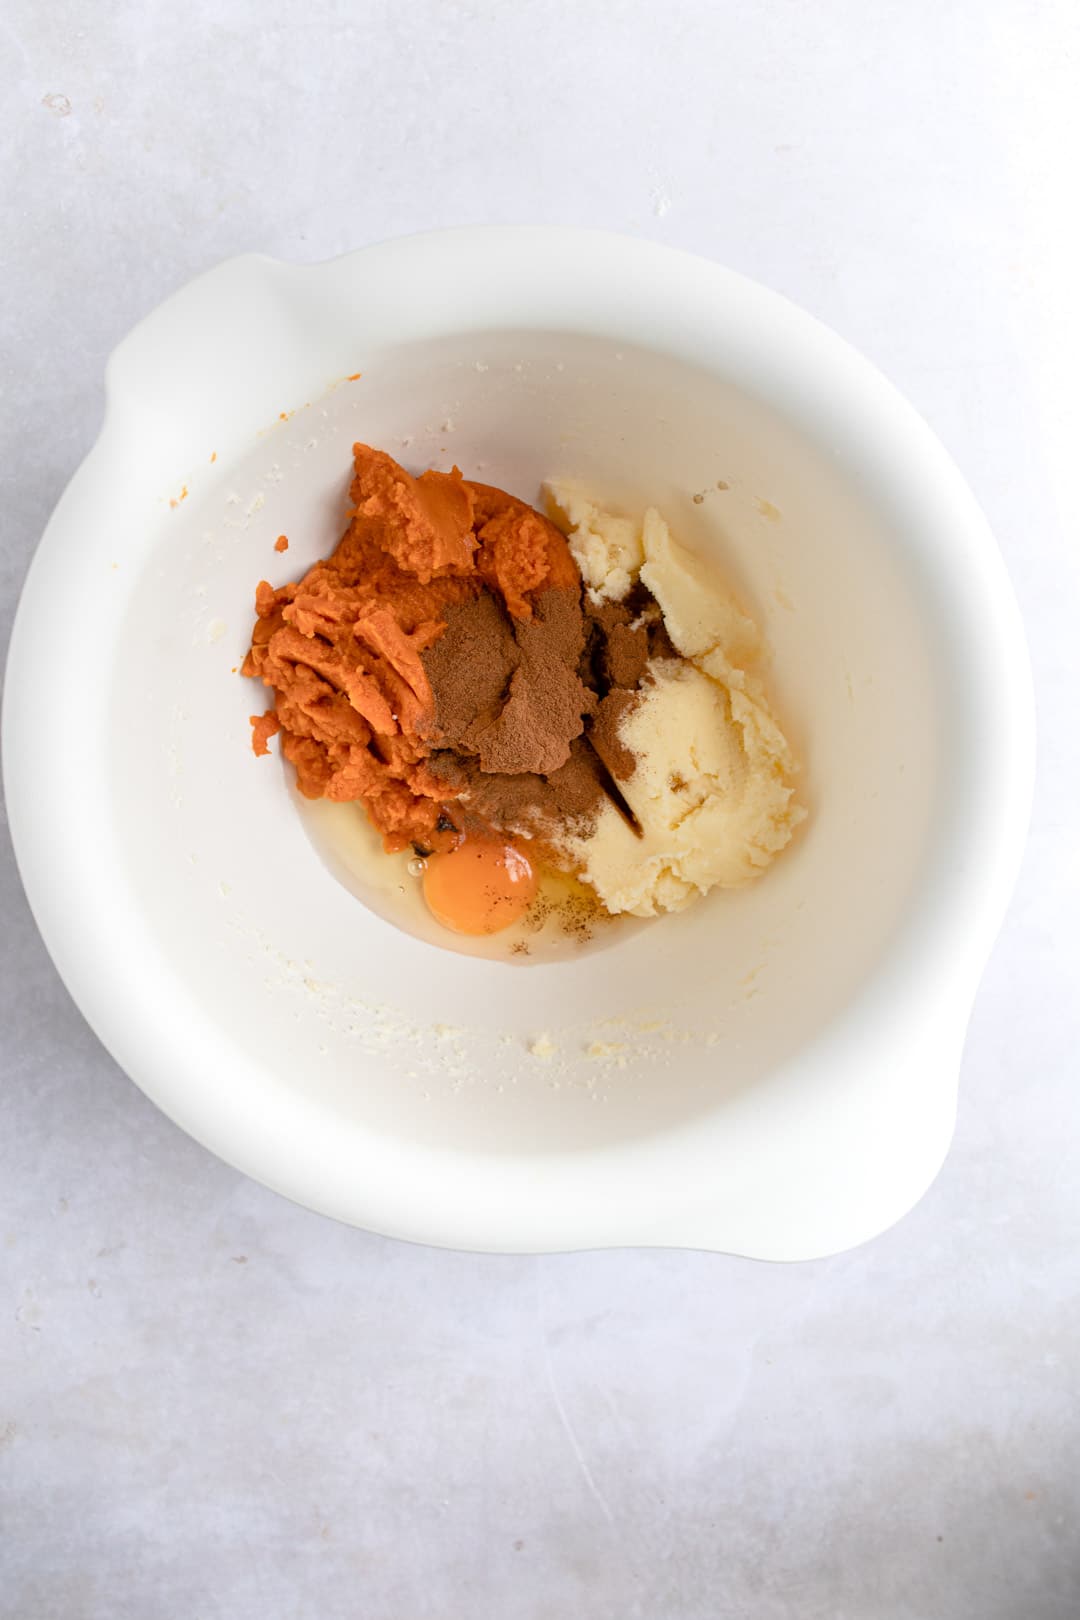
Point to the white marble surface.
(215, 1405)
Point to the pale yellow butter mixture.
(712, 789)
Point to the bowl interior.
(385, 1032)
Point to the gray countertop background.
(213, 1404)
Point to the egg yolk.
(480, 887)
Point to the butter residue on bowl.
(701, 765)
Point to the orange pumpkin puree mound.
(341, 648)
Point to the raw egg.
(480, 887)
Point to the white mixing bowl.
(771, 1073)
